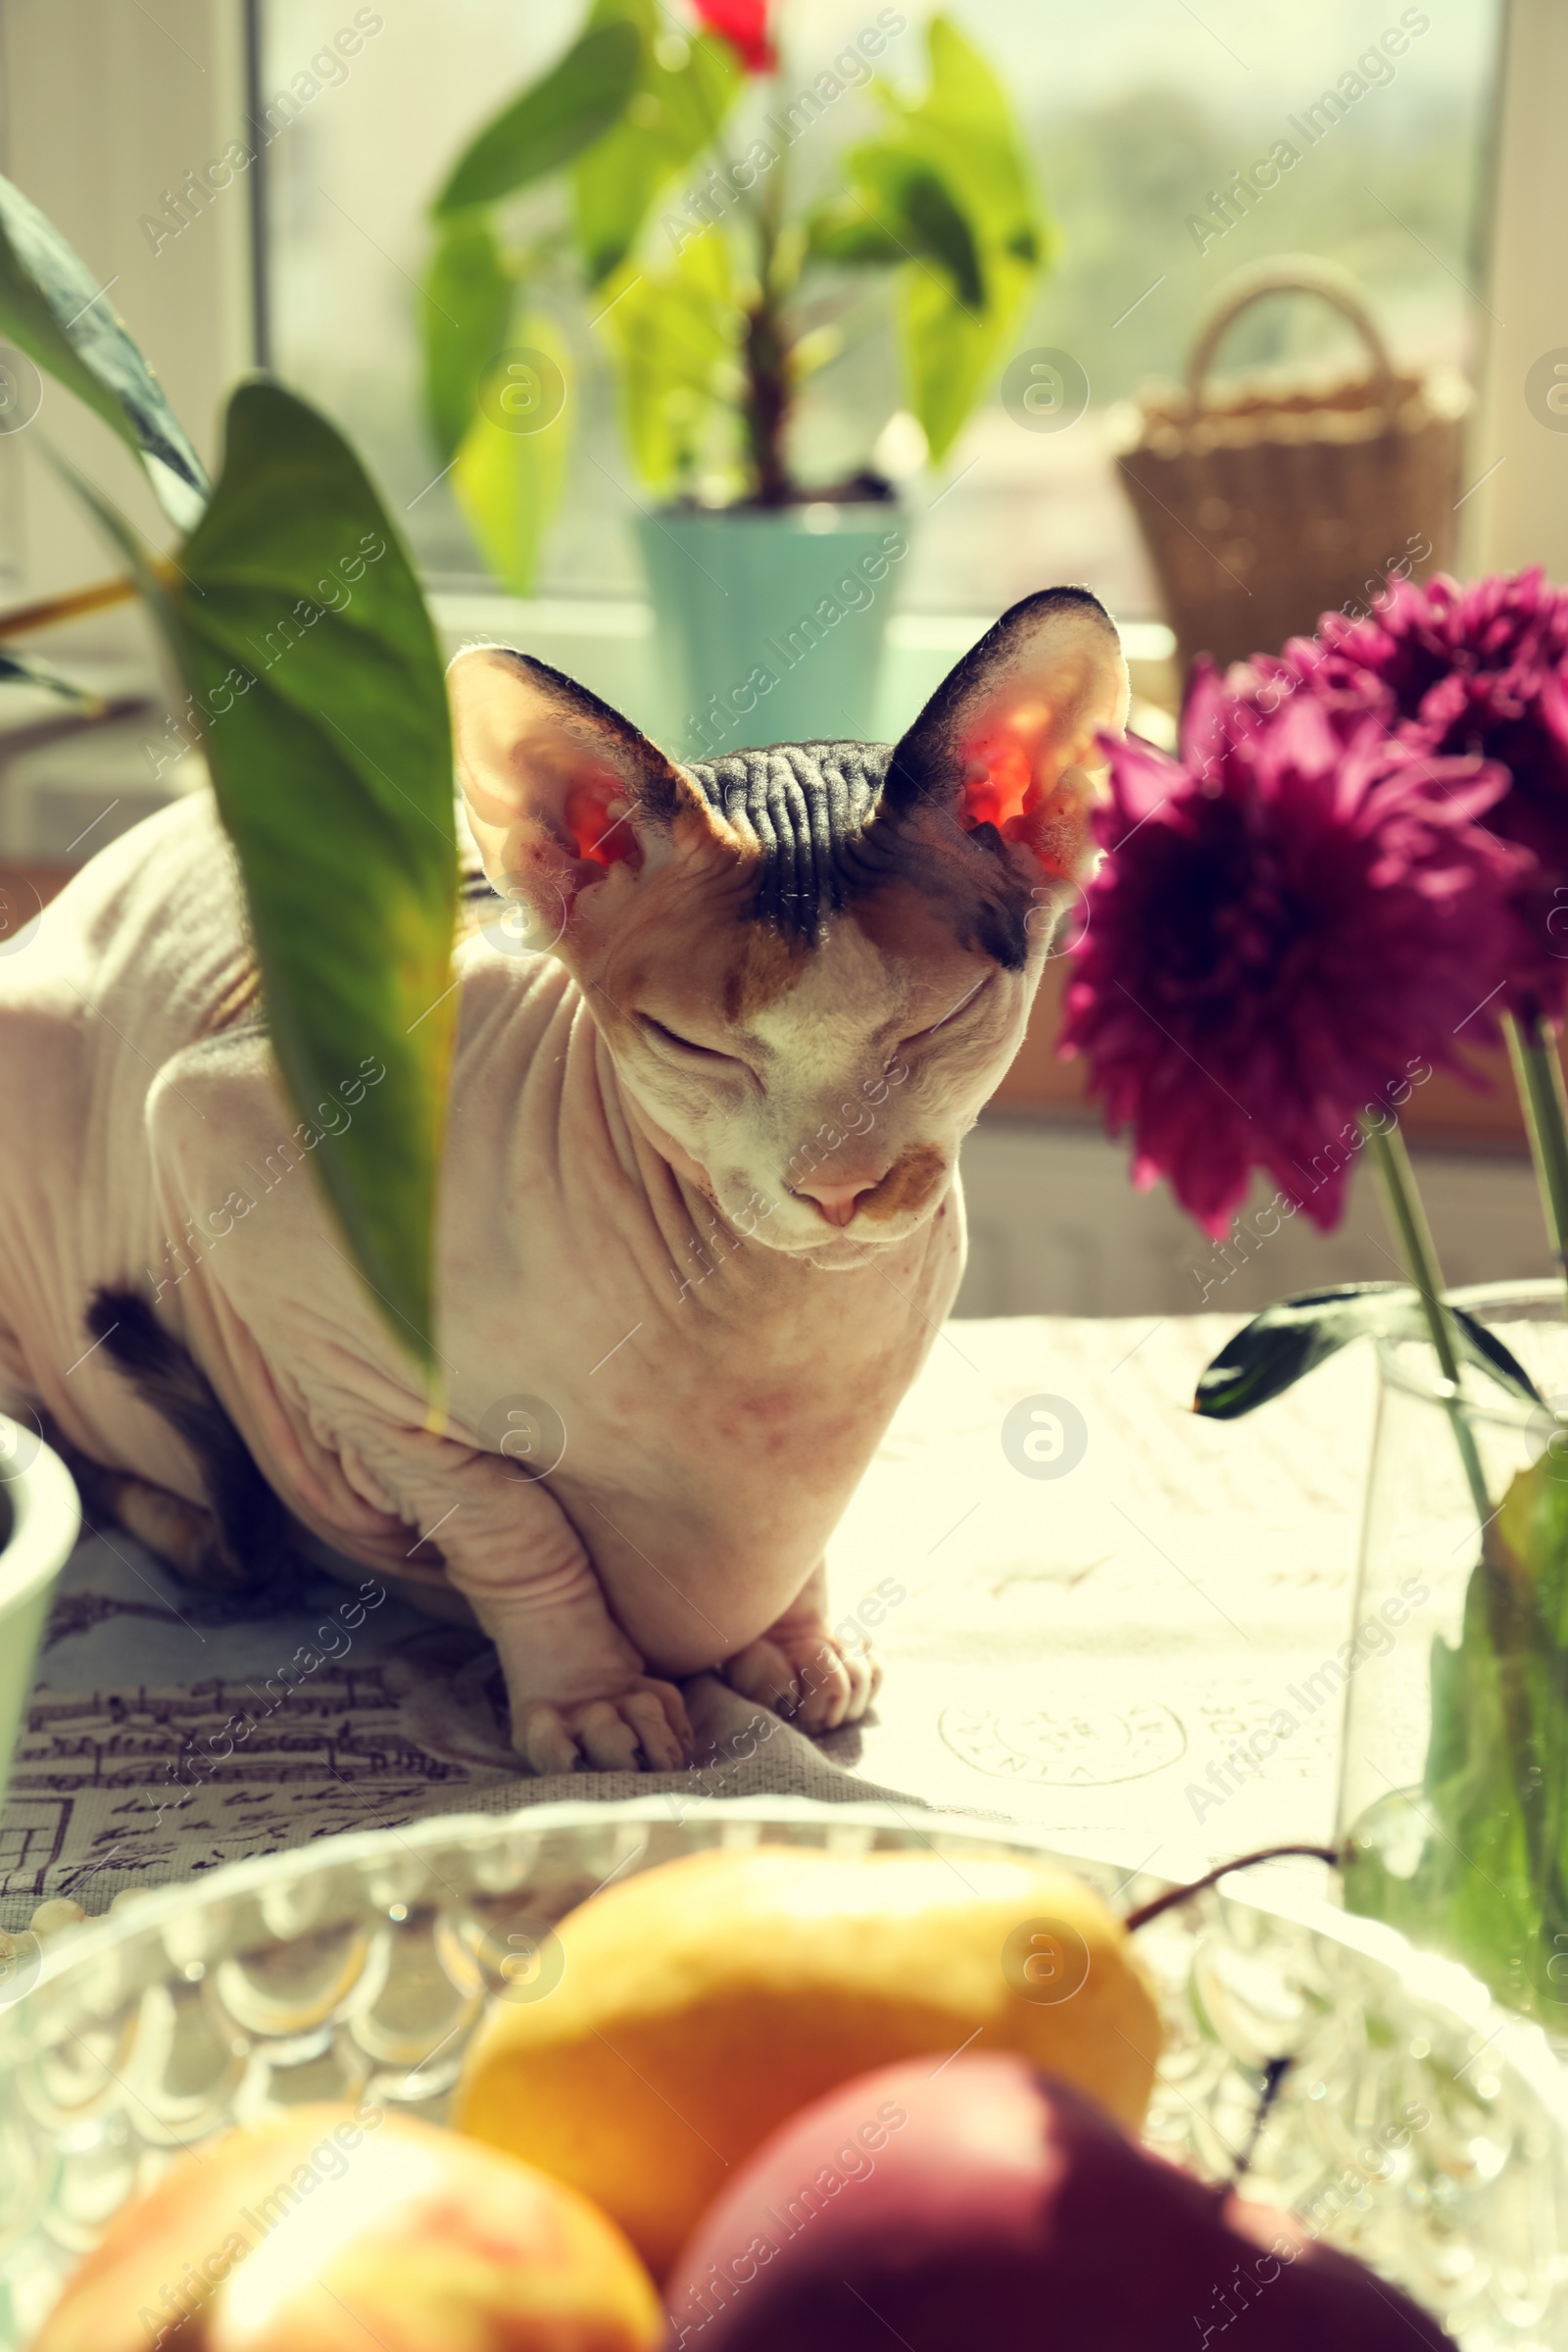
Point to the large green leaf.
(508, 483)
(1290, 1339)
(676, 108)
(53, 307)
(908, 199)
(466, 307)
(964, 126)
(298, 624)
(844, 231)
(672, 336)
(965, 129)
(552, 120)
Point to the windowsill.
(64, 777)
(608, 646)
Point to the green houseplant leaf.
(508, 483)
(844, 231)
(907, 200)
(296, 582)
(965, 130)
(676, 107)
(53, 307)
(465, 309)
(297, 622)
(1290, 1339)
(553, 121)
(670, 334)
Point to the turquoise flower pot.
(769, 622)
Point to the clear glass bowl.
(1419, 2125)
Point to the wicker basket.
(1270, 504)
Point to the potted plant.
(1354, 869)
(716, 237)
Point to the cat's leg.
(576, 1686)
(803, 1668)
(184, 1535)
(577, 1689)
(239, 1539)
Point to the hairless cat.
(700, 1216)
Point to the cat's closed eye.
(963, 1004)
(683, 1045)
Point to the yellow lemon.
(702, 2003)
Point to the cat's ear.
(1010, 739)
(562, 792)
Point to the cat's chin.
(840, 1257)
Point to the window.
(1141, 118)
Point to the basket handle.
(1299, 277)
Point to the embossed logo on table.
(1081, 1745)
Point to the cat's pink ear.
(1011, 736)
(561, 790)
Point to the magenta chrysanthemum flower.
(1293, 918)
(1483, 670)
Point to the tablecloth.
(1087, 1601)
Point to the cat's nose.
(837, 1202)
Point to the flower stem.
(1537, 1074)
(1410, 1219)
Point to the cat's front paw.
(806, 1674)
(644, 1727)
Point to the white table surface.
(1073, 1651)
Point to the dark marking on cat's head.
(808, 807)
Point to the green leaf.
(936, 227)
(509, 484)
(1471, 1863)
(1475, 1862)
(674, 111)
(21, 669)
(53, 307)
(910, 202)
(1292, 1338)
(965, 128)
(844, 233)
(964, 132)
(948, 359)
(551, 122)
(465, 311)
(299, 627)
(672, 336)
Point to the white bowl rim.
(46, 1520)
(1283, 1895)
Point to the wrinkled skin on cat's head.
(815, 1087)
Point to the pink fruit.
(978, 2203)
(344, 2229)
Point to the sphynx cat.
(700, 1216)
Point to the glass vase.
(1453, 1790)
